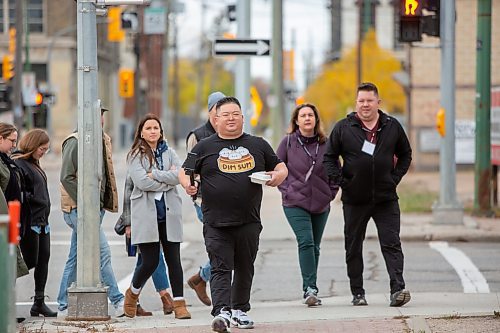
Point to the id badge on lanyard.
(368, 148)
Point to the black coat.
(37, 194)
(365, 178)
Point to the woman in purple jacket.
(306, 192)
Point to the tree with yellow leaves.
(334, 90)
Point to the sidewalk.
(335, 315)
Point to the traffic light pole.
(242, 77)
(482, 167)
(277, 60)
(17, 104)
(448, 210)
(88, 298)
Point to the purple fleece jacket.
(315, 194)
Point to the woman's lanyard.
(309, 172)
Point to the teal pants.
(308, 229)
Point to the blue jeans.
(160, 277)
(205, 269)
(69, 273)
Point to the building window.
(33, 13)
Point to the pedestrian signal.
(8, 67)
(126, 83)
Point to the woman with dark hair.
(11, 184)
(306, 192)
(156, 208)
(35, 242)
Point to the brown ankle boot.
(130, 304)
(143, 313)
(200, 287)
(181, 312)
(168, 304)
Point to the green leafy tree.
(215, 78)
(334, 91)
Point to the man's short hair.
(367, 86)
(227, 100)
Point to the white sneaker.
(62, 313)
(221, 322)
(240, 319)
(119, 308)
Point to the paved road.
(277, 276)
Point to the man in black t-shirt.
(231, 209)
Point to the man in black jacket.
(376, 154)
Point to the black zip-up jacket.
(365, 178)
(37, 194)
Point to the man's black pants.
(231, 248)
(387, 220)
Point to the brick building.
(52, 54)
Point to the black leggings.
(150, 255)
(36, 253)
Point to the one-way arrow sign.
(255, 47)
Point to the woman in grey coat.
(155, 212)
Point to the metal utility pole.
(242, 77)
(336, 32)
(27, 66)
(277, 88)
(18, 61)
(166, 115)
(200, 77)
(359, 58)
(88, 299)
(448, 209)
(176, 85)
(482, 167)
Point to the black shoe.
(358, 300)
(40, 308)
(400, 298)
(20, 319)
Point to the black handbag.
(120, 226)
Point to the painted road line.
(472, 279)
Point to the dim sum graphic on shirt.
(235, 160)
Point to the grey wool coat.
(142, 200)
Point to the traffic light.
(410, 29)
(126, 83)
(5, 102)
(7, 67)
(430, 22)
(417, 17)
(115, 31)
(440, 122)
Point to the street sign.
(250, 47)
(154, 21)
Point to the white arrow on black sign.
(258, 47)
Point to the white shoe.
(119, 308)
(62, 313)
(240, 319)
(221, 322)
